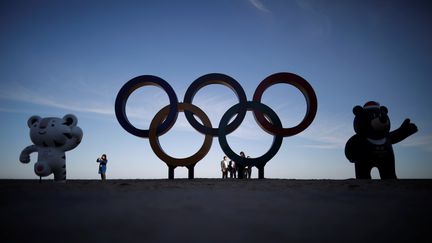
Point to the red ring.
(301, 84)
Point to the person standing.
(249, 170)
(224, 167)
(242, 170)
(232, 169)
(102, 166)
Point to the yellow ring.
(154, 139)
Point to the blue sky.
(62, 57)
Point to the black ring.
(215, 78)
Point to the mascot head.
(371, 120)
(53, 131)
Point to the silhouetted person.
(102, 166)
(371, 146)
(249, 170)
(242, 170)
(232, 169)
(224, 167)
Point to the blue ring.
(131, 86)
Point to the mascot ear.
(357, 110)
(384, 109)
(32, 120)
(70, 120)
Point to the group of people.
(229, 166)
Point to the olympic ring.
(167, 116)
(299, 83)
(215, 78)
(131, 86)
(277, 141)
(154, 140)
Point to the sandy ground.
(215, 210)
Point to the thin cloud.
(417, 140)
(259, 5)
(22, 94)
(319, 24)
(322, 146)
(5, 110)
(99, 103)
(328, 131)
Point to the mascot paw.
(24, 158)
(411, 128)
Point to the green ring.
(250, 106)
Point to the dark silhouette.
(232, 169)
(371, 146)
(248, 170)
(244, 171)
(224, 167)
(102, 166)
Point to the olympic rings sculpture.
(266, 118)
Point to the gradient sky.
(60, 57)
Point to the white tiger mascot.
(52, 136)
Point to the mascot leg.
(363, 170)
(60, 173)
(387, 169)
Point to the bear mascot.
(52, 136)
(371, 146)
